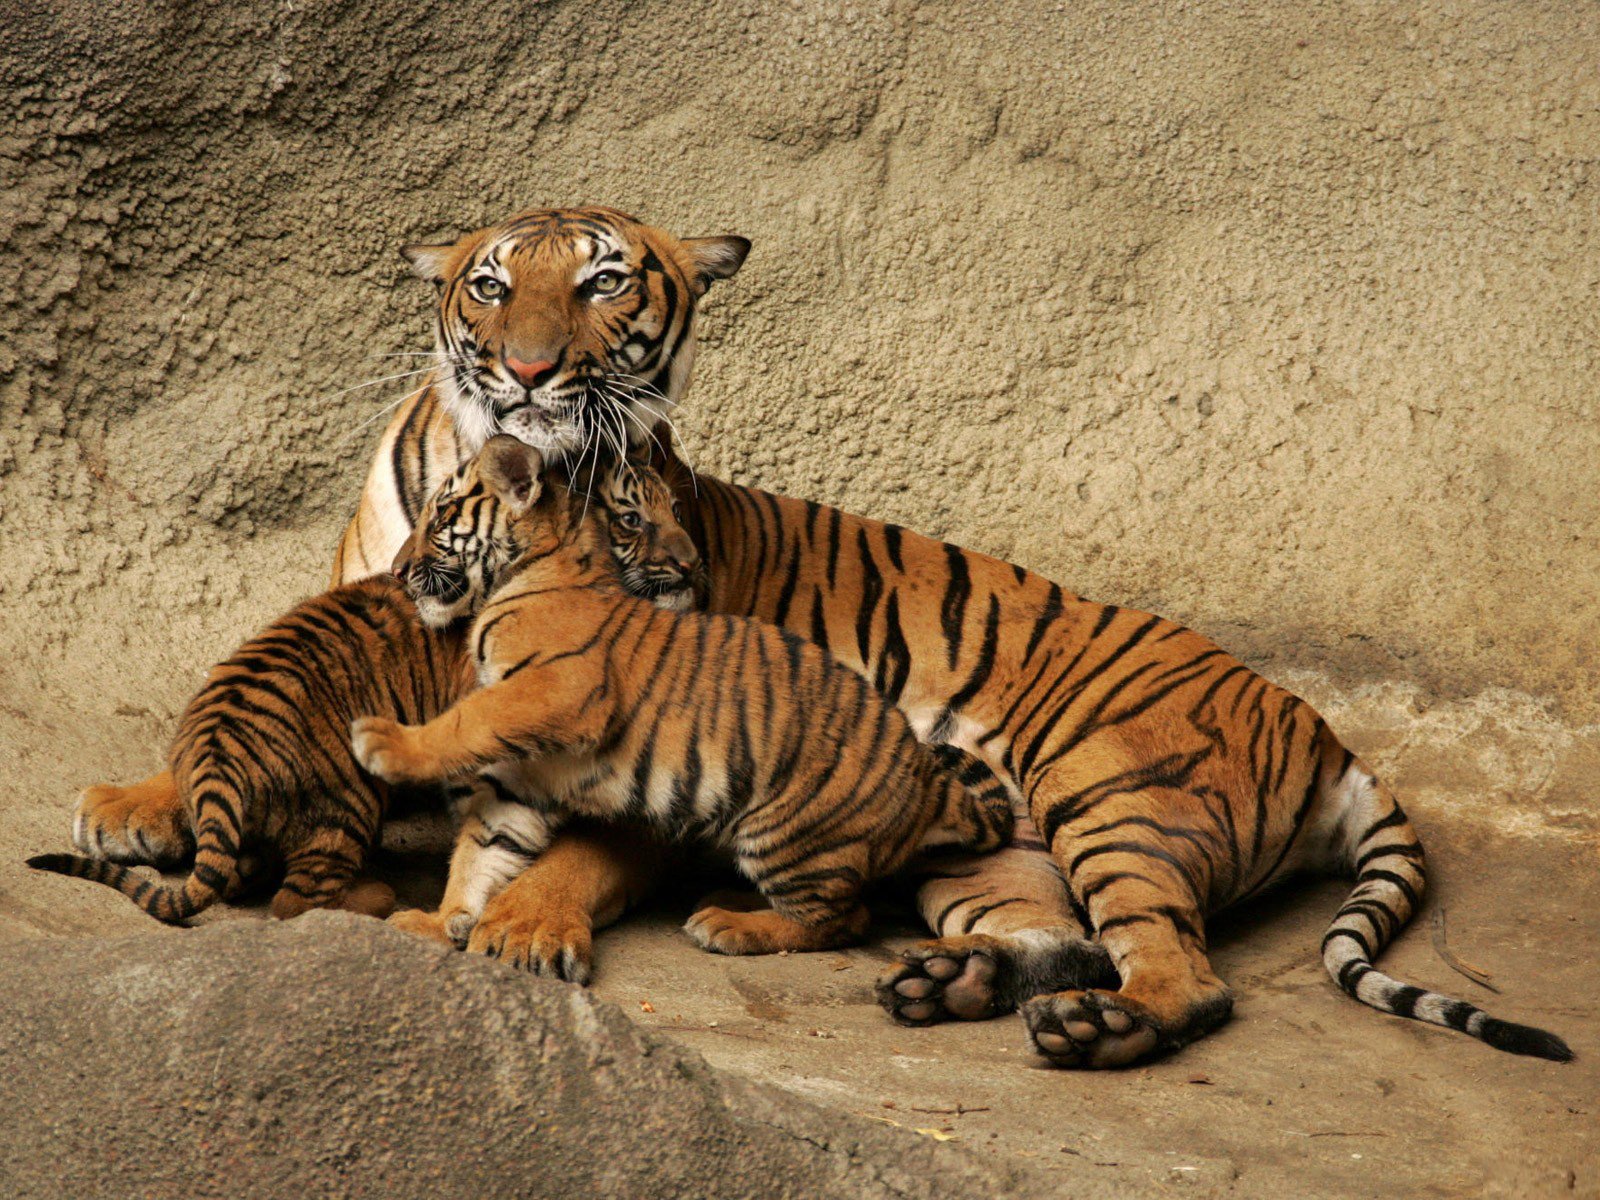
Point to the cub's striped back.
(262, 761)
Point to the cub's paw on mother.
(388, 750)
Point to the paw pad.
(936, 982)
(1089, 1029)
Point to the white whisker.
(384, 411)
(355, 387)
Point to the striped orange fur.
(1163, 779)
(261, 763)
(596, 703)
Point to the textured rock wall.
(1280, 319)
(333, 1057)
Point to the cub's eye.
(487, 289)
(605, 283)
(631, 521)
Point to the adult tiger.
(566, 328)
(1166, 779)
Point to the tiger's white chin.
(556, 437)
(436, 613)
(679, 601)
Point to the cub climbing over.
(712, 727)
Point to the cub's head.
(654, 552)
(563, 326)
(476, 524)
(504, 507)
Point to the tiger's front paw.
(388, 750)
(556, 943)
(424, 924)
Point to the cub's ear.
(716, 257)
(512, 470)
(639, 453)
(430, 262)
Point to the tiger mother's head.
(568, 327)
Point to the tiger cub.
(712, 727)
(657, 558)
(657, 561)
(262, 757)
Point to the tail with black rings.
(1390, 879)
(214, 875)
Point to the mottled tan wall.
(1277, 318)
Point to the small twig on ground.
(1477, 974)
(714, 1028)
(960, 1110)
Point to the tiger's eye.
(630, 521)
(489, 289)
(605, 282)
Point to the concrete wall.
(1277, 318)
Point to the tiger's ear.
(430, 262)
(716, 257)
(512, 470)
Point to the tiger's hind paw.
(1092, 1030)
(741, 923)
(952, 978)
(132, 825)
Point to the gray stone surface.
(335, 1057)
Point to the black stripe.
(1404, 885)
(1046, 618)
(1352, 973)
(985, 664)
(891, 543)
(953, 607)
(1395, 817)
(1404, 1001)
(871, 593)
(1141, 850)
(1412, 852)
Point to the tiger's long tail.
(215, 873)
(1390, 878)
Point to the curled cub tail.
(165, 902)
(215, 873)
(979, 791)
(1388, 861)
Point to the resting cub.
(253, 766)
(723, 728)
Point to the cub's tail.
(1387, 857)
(215, 873)
(982, 792)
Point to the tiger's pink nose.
(529, 372)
